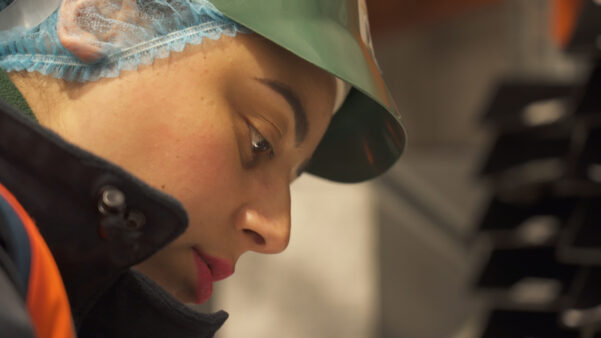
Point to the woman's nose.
(264, 222)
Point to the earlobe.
(73, 37)
(85, 27)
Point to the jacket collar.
(137, 307)
(94, 243)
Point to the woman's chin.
(183, 289)
(184, 295)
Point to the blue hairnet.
(124, 39)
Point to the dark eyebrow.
(300, 116)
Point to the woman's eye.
(258, 143)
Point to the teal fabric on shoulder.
(11, 95)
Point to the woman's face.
(224, 127)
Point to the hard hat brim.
(367, 135)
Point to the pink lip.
(209, 269)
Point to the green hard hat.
(366, 136)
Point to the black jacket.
(60, 186)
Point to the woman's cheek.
(209, 186)
(210, 167)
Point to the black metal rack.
(542, 277)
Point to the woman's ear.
(87, 27)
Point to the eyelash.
(258, 143)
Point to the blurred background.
(450, 242)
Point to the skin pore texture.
(186, 125)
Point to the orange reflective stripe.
(47, 300)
